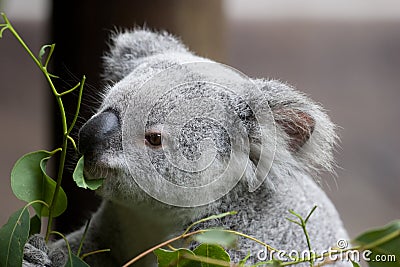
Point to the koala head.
(183, 130)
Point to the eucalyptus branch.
(186, 235)
(49, 55)
(65, 129)
(163, 244)
(83, 238)
(36, 201)
(303, 223)
(72, 142)
(212, 217)
(58, 184)
(268, 247)
(206, 260)
(78, 106)
(95, 252)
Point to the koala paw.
(37, 254)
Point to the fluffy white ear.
(129, 47)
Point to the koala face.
(182, 130)
(181, 135)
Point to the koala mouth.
(98, 138)
(95, 168)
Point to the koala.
(179, 137)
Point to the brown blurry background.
(344, 54)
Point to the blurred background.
(345, 54)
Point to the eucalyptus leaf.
(168, 258)
(384, 244)
(30, 182)
(80, 179)
(217, 237)
(49, 187)
(75, 261)
(213, 252)
(13, 236)
(43, 51)
(35, 225)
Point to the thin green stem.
(83, 238)
(16, 35)
(39, 64)
(294, 262)
(55, 151)
(303, 224)
(36, 201)
(72, 142)
(308, 242)
(49, 56)
(163, 244)
(66, 243)
(186, 235)
(251, 238)
(4, 27)
(95, 252)
(52, 75)
(58, 185)
(70, 90)
(171, 247)
(82, 83)
(309, 215)
(43, 68)
(212, 217)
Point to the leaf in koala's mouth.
(80, 180)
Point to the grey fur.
(298, 143)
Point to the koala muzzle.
(99, 133)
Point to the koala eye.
(154, 139)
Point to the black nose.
(99, 133)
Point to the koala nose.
(99, 133)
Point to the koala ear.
(297, 124)
(305, 137)
(129, 48)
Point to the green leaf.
(30, 182)
(384, 244)
(35, 225)
(355, 264)
(213, 252)
(43, 51)
(75, 261)
(168, 258)
(217, 237)
(80, 179)
(49, 187)
(13, 236)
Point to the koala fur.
(130, 221)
